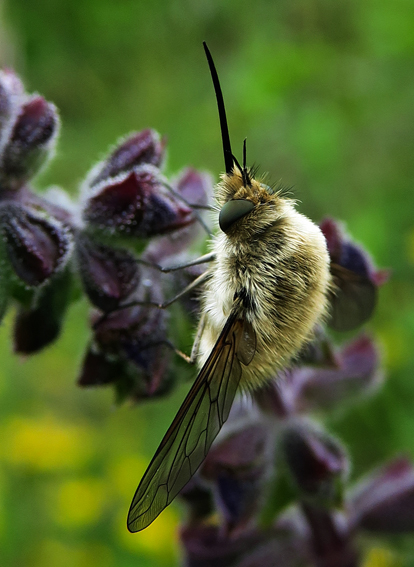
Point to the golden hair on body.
(265, 291)
(276, 260)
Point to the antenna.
(228, 156)
(246, 175)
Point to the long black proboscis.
(228, 156)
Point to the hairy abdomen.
(283, 278)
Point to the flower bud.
(356, 372)
(334, 238)
(280, 550)
(198, 500)
(205, 546)
(141, 148)
(37, 247)
(137, 335)
(11, 89)
(108, 274)
(195, 187)
(39, 325)
(239, 466)
(143, 343)
(330, 541)
(99, 369)
(317, 463)
(30, 140)
(137, 205)
(384, 501)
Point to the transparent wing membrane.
(197, 423)
(353, 301)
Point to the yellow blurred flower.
(45, 443)
(80, 502)
(381, 557)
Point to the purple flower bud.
(281, 547)
(136, 205)
(11, 89)
(319, 352)
(349, 255)
(198, 500)
(108, 274)
(316, 461)
(138, 336)
(40, 325)
(330, 543)
(99, 369)
(152, 359)
(195, 187)
(239, 466)
(124, 354)
(30, 141)
(356, 372)
(143, 147)
(384, 501)
(205, 546)
(334, 238)
(37, 247)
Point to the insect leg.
(192, 206)
(196, 344)
(171, 346)
(201, 260)
(195, 283)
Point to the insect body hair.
(276, 260)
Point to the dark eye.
(232, 211)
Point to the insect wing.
(196, 425)
(353, 301)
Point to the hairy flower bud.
(39, 325)
(37, 247)
(11, 89)
(108, 274)
(137, 337)
(141, 148)
(205, 546)
(316, 461)
(384, 501)
(99, 369)
(330, 542)
(239, 466)
(136, 205)
(195, 187)
(30, 140)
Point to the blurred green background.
(324, 92)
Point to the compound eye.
(233, 211)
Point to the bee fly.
(265, 291)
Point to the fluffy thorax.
(276, 260)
